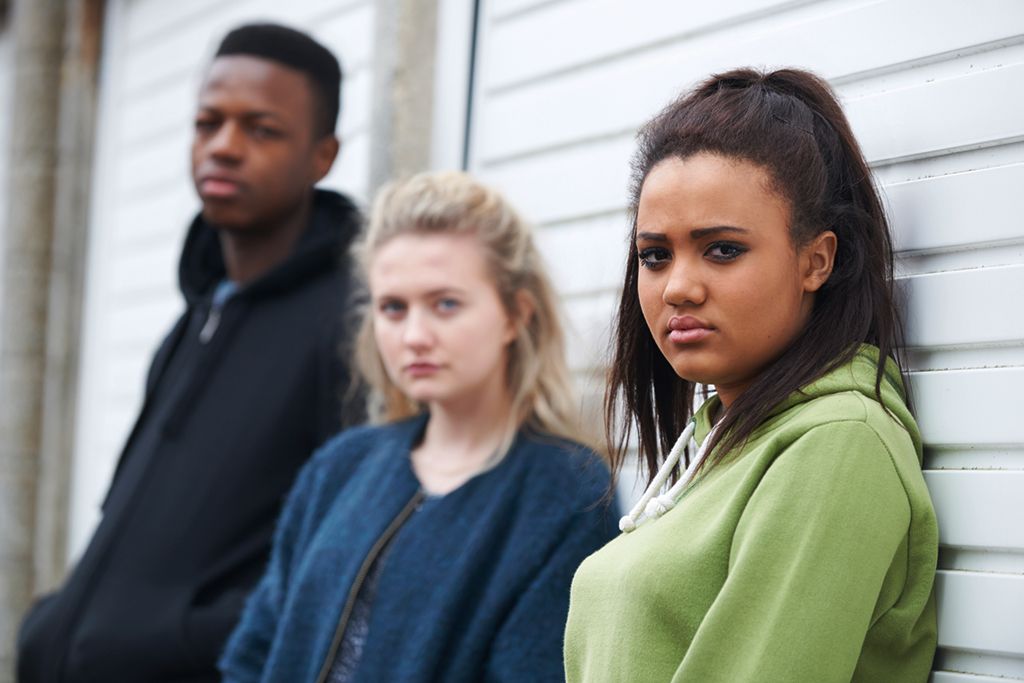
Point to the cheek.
(649, 294)
(385, 336)
(197, 154)
(769, 306)
(482, 343)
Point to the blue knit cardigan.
(476, 583)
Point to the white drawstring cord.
(653, 506)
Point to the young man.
(248, 383)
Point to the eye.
(264, 132)
(207, 125)
(724, 251)
(447, 305)
(652, 257)
(392, 309)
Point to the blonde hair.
(451, 202)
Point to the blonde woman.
(440, 545)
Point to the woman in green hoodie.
(798, 544)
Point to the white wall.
(935, 93)
(155, 52)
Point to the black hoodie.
(226, 424)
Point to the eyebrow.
(700, 233)
(432, 294)
(249, 115)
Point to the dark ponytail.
(789, 123)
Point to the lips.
(687, 330)
(421, 369)
(219, 187)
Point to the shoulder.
(565, 469)
(339, 462)
(847, 407)
(333, 464)
(836, 435)
(355, 443)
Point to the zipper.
(393, 528)
(212, 323)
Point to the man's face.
(255, 155)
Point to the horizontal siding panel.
(350, 172)
(980, 611)
(154, 267)
(586, 256)
(500, 8)
(148, 21)
(187, 46)
(975, 306)
(356, 102)
(950, 677)
(566, 34)
(572, 34)
(588, 328)
(170, 107)
(558, 187)
(949, 114)
(979, 509)
(934, 213)
(970, 407)
(143, 324)
(623, 94)
(349, 35)
(162, 162)
(178, 54)
(156, 217)
(980, 663)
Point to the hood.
(857, 375)
(334, 221)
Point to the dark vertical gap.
(472, 82)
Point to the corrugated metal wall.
(154, 55)
(935, 93)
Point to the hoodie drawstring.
(653, 506)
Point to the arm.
(529, 645)
(246, 652)
(807, 563)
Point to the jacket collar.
(334, 222)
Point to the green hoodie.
(809, 557)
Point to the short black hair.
(298, 51)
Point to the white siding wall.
(155, 52)
(935, 93)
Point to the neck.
(460, 439)
(248, 254)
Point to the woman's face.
(721, 285)
(439, 323)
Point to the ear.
(325, 151)
(817, 258)
(525, 306)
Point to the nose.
(228, 143)
(685, 285)
(417, 333)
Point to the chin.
(700, 373)
(422, 393)
(225, 217)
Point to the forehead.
(247, 82)
(411, 264)
(709, 191)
